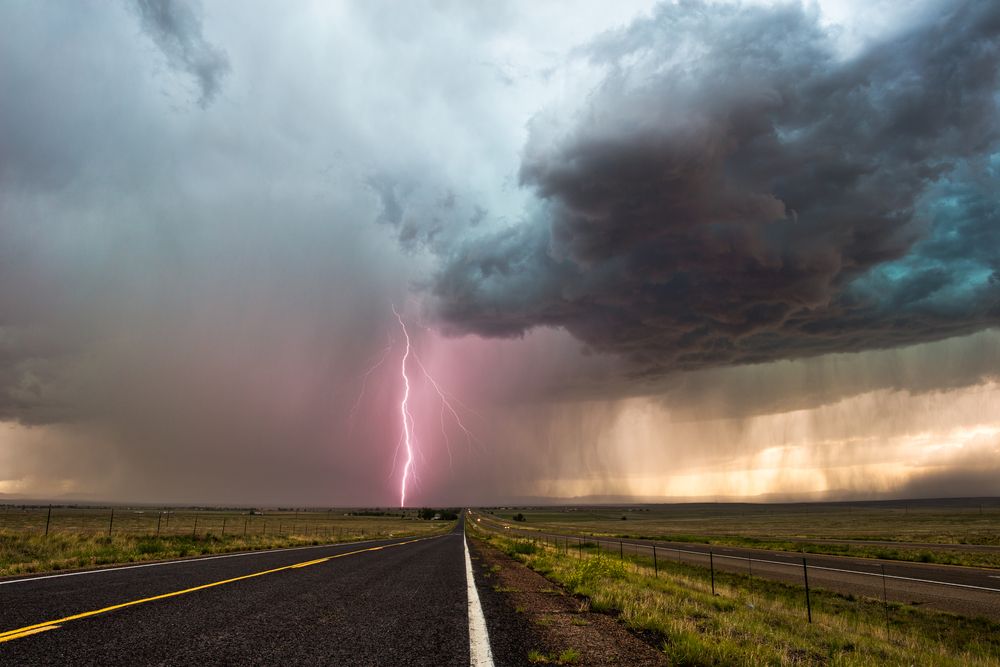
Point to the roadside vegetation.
(763, 626)
(91, 537)
(568, 657)
(921, 531)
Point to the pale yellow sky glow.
(870, 444)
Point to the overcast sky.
(677, 250)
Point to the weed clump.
(593, 569)
(524, 547)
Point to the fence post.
(112, 521)
(805, 577)
(621, 552)
(750, 572)
(48, 518)
(711, 565)
(159, 518)
(656, 568)
(245, 521)
(579, 542)
(223, 526)
(885, 600)
(194, 531)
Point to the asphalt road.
(965, 590)
(387, 602)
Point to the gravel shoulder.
(526, 613)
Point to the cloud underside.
(175, 28)
(734, 192)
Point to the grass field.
(922, 531)
(763, 626)
(88, 536)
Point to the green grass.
(767, 627)
(568, 657)
(921, 531)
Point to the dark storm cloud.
(734, 192)
(424, 215)
(175, 28)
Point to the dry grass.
(79, 538)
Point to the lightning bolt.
(408, 441)
(404, 411)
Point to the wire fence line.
(871, 582)
(45, 521)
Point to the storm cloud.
(627, 238)
(735, 191)
(175, 27)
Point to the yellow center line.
(52, 625)
(35, 631)
(310, 562)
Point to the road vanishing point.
(385, 602)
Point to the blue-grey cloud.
(735, 192)
(175, 28)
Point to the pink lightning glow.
(408, 436)
(445, 404)
(404, 411)
(364, 383)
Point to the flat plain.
(951, 532)
(36, 539)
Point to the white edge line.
(190, 560)
(480, 654)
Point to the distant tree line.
(429, 514)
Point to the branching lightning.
(446, 399)
(364, 383)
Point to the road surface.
(387, 602)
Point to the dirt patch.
(533, 620)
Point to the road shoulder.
(531, 620)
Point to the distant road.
(387, 602)
(930, 546)
(965, 590)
